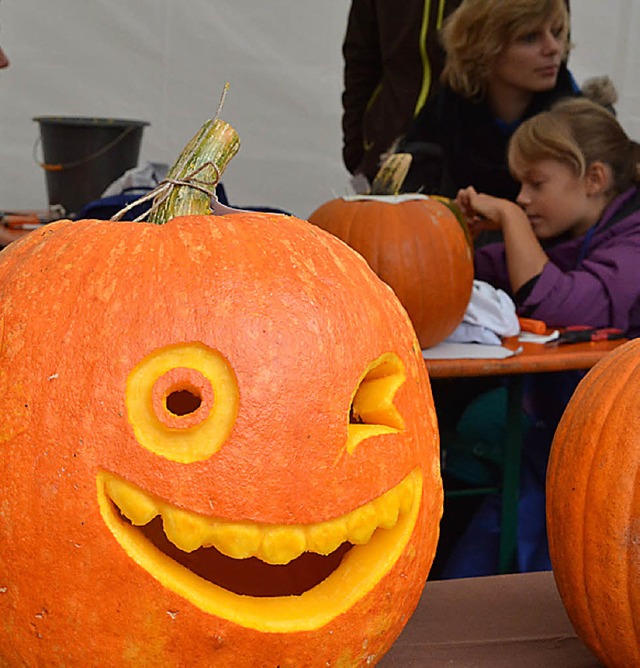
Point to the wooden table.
(534, 358)
(503, 621)
(7, 235)
(15, 224)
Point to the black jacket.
(392, 57)
(457, 142)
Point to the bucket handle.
(48, 167)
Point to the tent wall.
(166, 61)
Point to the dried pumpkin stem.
(391, 175)
(196, 172)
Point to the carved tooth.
(406, 492)
(236, 540)
(185, 530)
(361, 523)
(280, 545)
(387, 510)
(134, 504)
(326, 537)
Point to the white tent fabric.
(166, 62)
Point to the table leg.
(514, 435)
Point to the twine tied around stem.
(160, 193)
(226, 145)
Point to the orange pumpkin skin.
(89, 312)
(593, 508)
(416, 245)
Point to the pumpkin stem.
(391, 174)
(196, 172)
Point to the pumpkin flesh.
(354, 573)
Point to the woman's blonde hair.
(577, 132)
(478, 30)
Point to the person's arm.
(525, 257)
(362, 75)
(603, 291)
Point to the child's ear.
(598, 178)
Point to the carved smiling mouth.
(269, 577)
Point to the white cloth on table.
(490, 315)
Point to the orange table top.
(7, 235)
(15, 224)
(534, 358)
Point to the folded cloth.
(144, 176)
(490, 315)
(465, 332)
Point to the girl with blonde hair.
(572, 237)
(570, 256)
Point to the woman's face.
(531, 60)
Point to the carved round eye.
(182, 402)
(372, 410)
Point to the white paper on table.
(530, 337)
(451, 350)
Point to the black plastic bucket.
(82, 156)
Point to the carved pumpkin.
(593, 508)
(218, 448)
(416, 245)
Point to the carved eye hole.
(182, 402)
(372, 410)
(182, 398)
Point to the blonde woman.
(505, 62)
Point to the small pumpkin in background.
(593, 508)
(414, 243)
(218, 446)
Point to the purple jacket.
(590, 280)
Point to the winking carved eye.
(372, 409)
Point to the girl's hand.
(525, 256)
(483, 212)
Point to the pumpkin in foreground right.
(593, 508)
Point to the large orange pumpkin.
(593, 508)
(416, 245)
(218, 447)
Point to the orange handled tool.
(533, 326)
